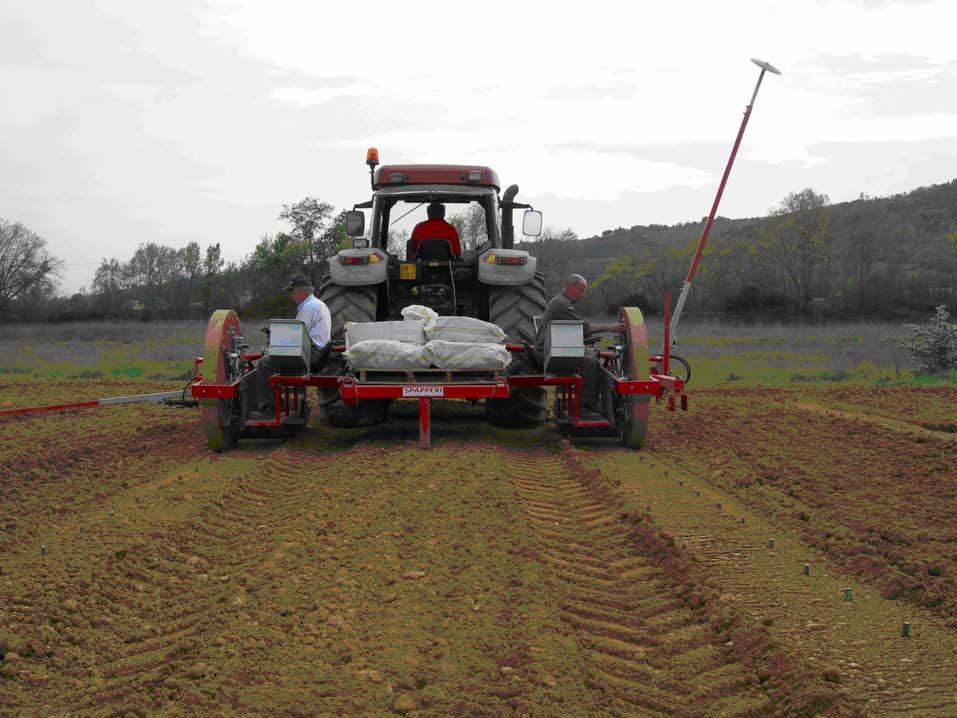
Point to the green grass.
(154, 351)
(721, 354)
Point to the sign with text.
(421, 392)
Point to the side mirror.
(355, 223)
(532, 223)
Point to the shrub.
(751, 302)
(933, 346)
(636, 299)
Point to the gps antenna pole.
(686, 286)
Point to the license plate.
(406, 271)
(417, 392)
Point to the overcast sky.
(126, 122)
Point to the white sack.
(464, 329)
(467, 355)
(417, 312)
(412, 332)
(386, 354)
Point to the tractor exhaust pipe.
(508, 227)
(686, 286)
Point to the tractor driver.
(562, 306)
(436, 228)
(312, 312)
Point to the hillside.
(894, 254)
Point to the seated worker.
(562, 306)
(436, 228)
(314, 313)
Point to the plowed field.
(760, 557)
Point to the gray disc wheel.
(635, 408)
(348, 304)
(513, 309)
(218, 415)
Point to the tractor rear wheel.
(349, 304)
(222, 430)
(634, 409)
(513, 309)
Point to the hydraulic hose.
(685, 364)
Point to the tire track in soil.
(877, 500)
(57, 464)
(161, 612)
(243, 533)
(860, 639)
(171, 597)
(648, 653)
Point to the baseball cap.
(299, 280)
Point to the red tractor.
(383, 273)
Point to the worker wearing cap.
(562, 307)
(311, 311)
(435, 227)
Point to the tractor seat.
(433, 249)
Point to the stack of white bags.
(425, 339)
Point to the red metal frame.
(50, 407)
(666, 356)
(352, 390)
(434, 174)
(425, 420)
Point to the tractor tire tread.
(513, 308)
(348, 304)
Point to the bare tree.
(471, 226)
(212, 267)
(800, 240)
(315, 235)
(107, 286)
(557, 251)
(25, 265)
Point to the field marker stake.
(771, 543)
(848, 595)
(43, 550)
(807, 569)
(905, 630)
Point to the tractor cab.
(447, 262)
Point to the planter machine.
(225, 374)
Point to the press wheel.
(635, 408)
(221, 434)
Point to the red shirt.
(436, 229)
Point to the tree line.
(166, 283)
(887, 258)
(892, 257)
